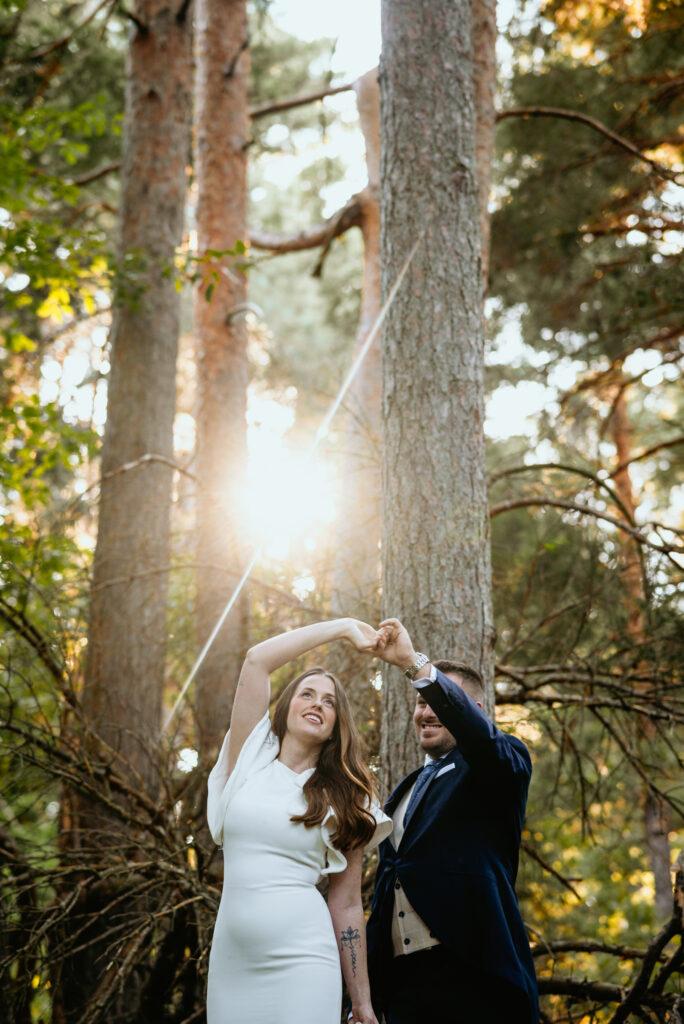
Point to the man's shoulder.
(518, 745)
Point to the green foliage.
(60, 113)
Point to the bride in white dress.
(289, 803)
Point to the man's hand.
(396, 648)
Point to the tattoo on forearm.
(351, 938)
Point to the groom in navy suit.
(446, 942)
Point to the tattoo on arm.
(351, 938)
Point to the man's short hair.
(469, 677)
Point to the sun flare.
(290, 494)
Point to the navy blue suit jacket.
(458, 858)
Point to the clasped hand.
(390, 641)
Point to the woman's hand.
(363, 637)
(362, 1014)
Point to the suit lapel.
(447, 776)
(396, 796)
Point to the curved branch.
(348, 217)
(100, 172)
(579, 700)
(648, 451)
(587, 510)
(597, 126)
(563, 467)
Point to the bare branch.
(100, 172)
(574, 506)
(531, 852)
(348, 217)
(597, 126)
(298, 101)
(588, 946)
(647, 452)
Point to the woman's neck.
(298, 755)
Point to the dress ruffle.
(336, 860)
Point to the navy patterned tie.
(422, 783)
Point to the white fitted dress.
(274, 959)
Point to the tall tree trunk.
(484, 79)
(436, 561)
(357, 558)
(656, 814)
(124, 670)
(356, 571)
(126, 642)
(222, 140)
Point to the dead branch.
(277, 107)
(321, 235)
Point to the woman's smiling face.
(313, 709)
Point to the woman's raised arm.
(253, 690)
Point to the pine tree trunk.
(356, 571)
(357, 558)
(124, 671)
(656, 816)
(125, 662)
(484, 58)
(222, 140)
(436, 561)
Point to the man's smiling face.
(434, 738)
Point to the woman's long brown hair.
(342, 780)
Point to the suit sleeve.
(486, 749)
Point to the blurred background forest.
(241, 244)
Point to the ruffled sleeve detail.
(336, 860)
(258, 750)
(383, 827)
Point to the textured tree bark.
(357, 558)
(436, 562)
(656, 816)
(222, 139)
(484, 59)
(124, 672)
(356, 569)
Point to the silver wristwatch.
(412, 671)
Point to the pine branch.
(597, 126)
(563, 467)
(587, 510)
(59, 44)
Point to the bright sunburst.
(290, 495)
